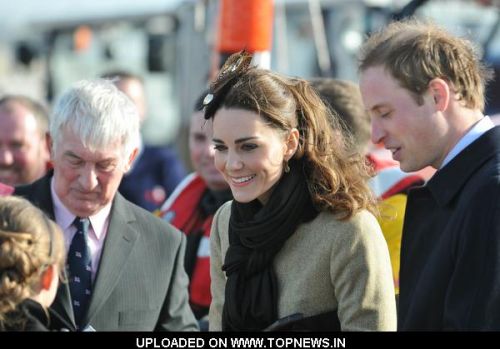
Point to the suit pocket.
(138, 320)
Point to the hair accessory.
(235, 66)
(208, 98)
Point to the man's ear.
(131, 159)
(292, 143)
(440, 92)
(49, 144)
(47, 277)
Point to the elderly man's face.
(86, 180)
(23, 149)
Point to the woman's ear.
(47, 277)
(292, 143)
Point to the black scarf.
(211, 200)
(256, 234)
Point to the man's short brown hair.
(415, 52)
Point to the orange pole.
(245, 24)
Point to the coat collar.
(447, 182)
(38, 193)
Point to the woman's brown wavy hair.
(337, 176)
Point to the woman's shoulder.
(362, 225)
(222, 215)
(224, 211)
(358, 220)
(29, 316)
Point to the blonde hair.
(29, 243)
(336, 176)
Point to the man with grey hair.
(125, 266)
(24, 152)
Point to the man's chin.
(10, 180)
(84, 210)
(409, 167)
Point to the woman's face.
(249, 153)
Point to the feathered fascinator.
(236, 65)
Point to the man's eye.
(74, 161)
(17, 145)
(199, 138)
(106, 166)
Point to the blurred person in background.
(32, 258)
(390, 184)
(24, 153)
(192, 206)
(157, 169)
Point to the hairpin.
(236, 65)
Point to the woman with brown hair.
(31, 260)
(298, 248)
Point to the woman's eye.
(248, 146)
(219, 147)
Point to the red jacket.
(182, 211)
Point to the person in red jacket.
(191, 207)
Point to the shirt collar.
(65, 218)
(474, 133)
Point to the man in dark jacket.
(424, 91)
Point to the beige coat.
(325, 265)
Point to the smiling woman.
(297, 189)
(250, 154)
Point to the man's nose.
(377, 133)
(88, 178)
(6, 157)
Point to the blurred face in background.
(23, 147)
(201, 150)
(135, 91)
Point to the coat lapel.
(62, 306)
(120, 240)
